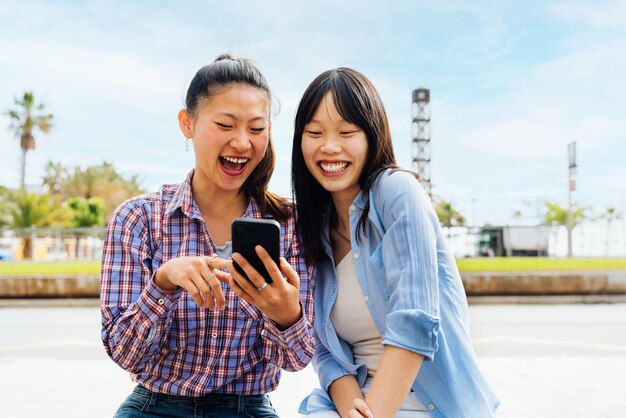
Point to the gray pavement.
(543, 360)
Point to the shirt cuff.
(413, 330)
(155, 302)
(289, 337)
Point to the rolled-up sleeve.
(409, 255)
(327, 368)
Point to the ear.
(269, 131)
(185, 123)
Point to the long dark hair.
(224, 72)
(359, 103)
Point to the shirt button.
(356, 256)
(431, 406)
(352, 208)
(365, 298)
(214, 334)
(160, 301)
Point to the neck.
(342, 201)
(217, 203)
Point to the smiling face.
(230, 132)
(334, 150)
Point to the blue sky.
(511, 84)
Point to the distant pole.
(420, 133)
(571, 153)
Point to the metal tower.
(420, 132)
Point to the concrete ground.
(543, 361)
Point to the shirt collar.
(183, 199)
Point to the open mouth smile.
(333, 166)
(233, 165)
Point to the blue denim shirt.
(414, 292)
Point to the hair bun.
(223, 57)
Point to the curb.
(492, 284)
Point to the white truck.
(510, 241)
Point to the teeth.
(236, 160)
(334, 167)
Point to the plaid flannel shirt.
(164, 339)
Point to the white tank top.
(352, 319)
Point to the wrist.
(160, 279)
(291, 320)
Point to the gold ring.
(211, 276)
(263, 286)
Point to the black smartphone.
(247, 233)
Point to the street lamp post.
(571, 154)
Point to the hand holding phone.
(279, 301)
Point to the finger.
(222, 276)
(200, 281)
(290, 274)
(239, 291)
(190, 284)
(207, 288)
(270, 266)
(215, 262)
(363, 408)
(216, 288)
(254, 280)
(355, 414)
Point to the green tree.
(102, 181)
(556, 215)
(5, 206)
(53, 179)
(448, 216)
(28, 209)
(25, 119)
(86, 212)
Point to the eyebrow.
(230, 115)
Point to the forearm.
(131, 333)
(396, 373)
(343, 392)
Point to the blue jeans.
(144, 403)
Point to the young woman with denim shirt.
(197, 340)
(391, 326)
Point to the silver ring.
(263, 286)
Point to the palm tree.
(611, 214)
(24, 120)
(33, 210)
(556, 215)
(53, 179)
(448, 216)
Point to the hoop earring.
(187, 141)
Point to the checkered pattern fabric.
(164, 339)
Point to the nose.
(241, 142)
(330, 144)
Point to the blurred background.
(511, 112)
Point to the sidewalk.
(543, 361)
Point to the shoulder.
(139, 209)
(395, 186)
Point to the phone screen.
(247, 233)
